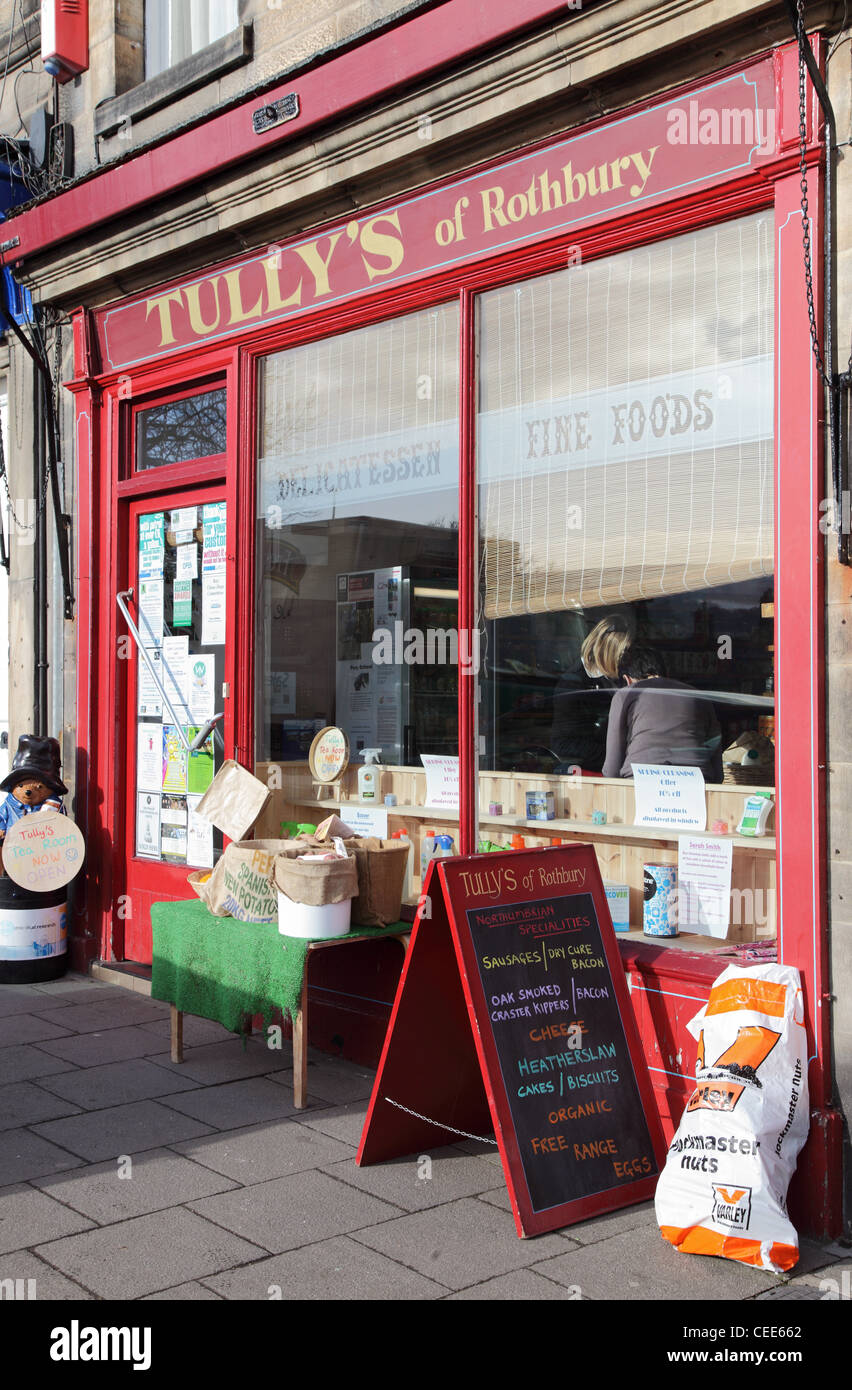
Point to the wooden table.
(300, 1022)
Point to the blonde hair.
(603, 649)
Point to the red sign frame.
(429, 1096)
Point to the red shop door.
(176, 598)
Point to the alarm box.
(65, 37)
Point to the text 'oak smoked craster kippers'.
(723, 1190)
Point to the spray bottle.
(368, 776)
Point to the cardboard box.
(540, 806)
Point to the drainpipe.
(39, 567)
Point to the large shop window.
(625, 464)
(357, 535)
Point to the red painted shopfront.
(668, 169)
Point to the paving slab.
(196, 1031)
(72, 982)
(83, 991)
(24, 1103)
(28, 1028)
(116, 1083)
(297, 1210)
(260, 1152)
(226, 1061)
(21, 999)
(28, 1217)
(113, 1045)
(48, 1283)
(148, 1253)
(28, 1062)
(831, 1278)
(236, 1103)
(152, 1181)
(482, 1148)
(639, 1264)
(810, 1293)
(813, 1256)
(337, 1270)
(24, 1155)
(192, 1291)
(523, 1285)
(93, 1017)
(499, 1197)
(446, 1243)
(614, 1223)
(419, 1180)
(122, 1129)
(335, 1081)
(343, 1122)
(840, 1249)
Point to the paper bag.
(233, 801)
(381, 879)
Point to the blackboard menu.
(564, 1059)
(559, 1048)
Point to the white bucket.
(298, 919)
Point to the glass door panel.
(181, 617)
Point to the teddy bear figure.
(33, 784)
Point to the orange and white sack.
(723, 1189)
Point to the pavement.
(124, 1176)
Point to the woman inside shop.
(578, 734)
(657, 720)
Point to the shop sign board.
(534, 1037)
(43, 852)
(673, 148)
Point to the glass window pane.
(191, 428)
(625, 463)
(175, 29)
(180, 580)
(358, 541)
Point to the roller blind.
(625, 424)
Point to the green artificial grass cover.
(227, 970)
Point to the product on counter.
(756, 813)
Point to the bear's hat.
(38, 758)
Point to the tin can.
(659, 908)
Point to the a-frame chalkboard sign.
(512, 1014)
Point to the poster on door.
(174, 760)
(148, 825)
(173, 829)
(149, 757)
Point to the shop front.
(391, 475)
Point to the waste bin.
(33, 937)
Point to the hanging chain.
(438, 1125)
(57, 398)
(803, 180)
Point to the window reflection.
(177, 431)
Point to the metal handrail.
(119, 598)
